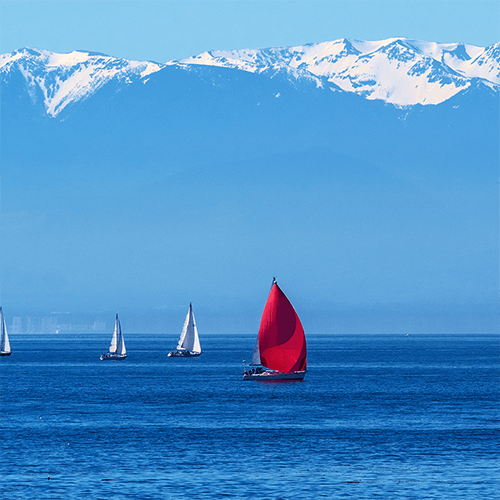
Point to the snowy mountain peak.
(66, 78)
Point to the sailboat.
(189, 341)
(117, 351)
(281, 345)
(4, 338)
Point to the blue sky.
(163, 30)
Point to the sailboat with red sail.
(281, 343)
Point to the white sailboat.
(189, 341)
(117, 350)
(4, 338)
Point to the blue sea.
(377, 417)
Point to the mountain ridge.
(397, 71)
(371, 69)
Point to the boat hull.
(271, 375)
(5, 353)
(183, 354)
(113, 357)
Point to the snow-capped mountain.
(399, 71)
(61, 79)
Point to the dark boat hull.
(113, 357)
(271, 375)
(183, 354)
(3, 353)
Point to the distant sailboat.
(4, 338)
(281, 344)
(189, 341)
(117, 351)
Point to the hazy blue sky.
(164, 30)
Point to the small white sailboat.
(117, 350)
(4, 338)
(189, 341)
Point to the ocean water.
(377, 417)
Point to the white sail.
(4, 338)
(114, 338)
(256, 354)
(189, 339)
(196, 343)
(120, 347)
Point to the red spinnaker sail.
(282, 342)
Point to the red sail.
(282, 342)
